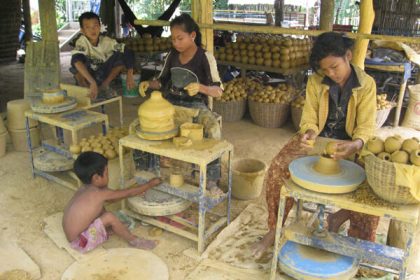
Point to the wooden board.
(12, 257)
(54, 230)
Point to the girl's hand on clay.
(192, 88)
(143, 87)
(307, 140)
(214, 91)
(347, 148)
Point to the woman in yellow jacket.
(340, 104)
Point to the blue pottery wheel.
(347, 180)
(307, 263)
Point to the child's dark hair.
(88, 164)
(329, 43)
(87, 15)
(188, 25)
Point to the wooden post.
(327, 15)
(27, 20)
(202, 13)
(48, 20)
(367, 16)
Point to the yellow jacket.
(361, 111)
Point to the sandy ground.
(25, 201)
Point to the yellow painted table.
(384, 256)
(74, 121)
(200, 154)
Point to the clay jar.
(327, 166)
(194, 131)
(53, 96)
(384, 156)
(156, 114)
(415, 157)
(176, 180)
(393, 144)
(410, 145)
(375, 145)
(400, 157)
(331, 148)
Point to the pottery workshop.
(212, 139)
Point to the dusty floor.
(26, 201)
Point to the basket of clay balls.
(270, 106)
(232, 104)
(383, 108)
(296, 110)
(381, 168)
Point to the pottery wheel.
(304, 262)
(48, 161)
(347, 180)
(119, 264)
(156, 135)
(157, 203)
(39, 107)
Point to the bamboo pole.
(367, 16)
(288, 31)
(327, 15)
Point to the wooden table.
(384, 256)
(195, 194)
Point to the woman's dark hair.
(88, 15)
(88, 164)
(329, 43)
(188, 25)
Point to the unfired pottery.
(410, 145)
(375, 145)
(392, 144)
(194, 131)
(400, 157)
(415, 157)
(331, 148)
(327, 166)
(384, 156)
(156, 114)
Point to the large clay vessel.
(375, 145)
(156, 114)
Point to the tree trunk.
(278, 12)
(327, 15)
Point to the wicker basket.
(382, 115)
(268, 115)
(381, 178)
(231, 111)
(296, 116)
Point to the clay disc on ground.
(39, 107)
(157, 203)
(347, 180)
(304, 262)
(119, 264)
(156, 135)
(48, 161)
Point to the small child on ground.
(85, 220)
(97, 59)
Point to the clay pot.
(410, 145)
(194, 131)
(415, 157)
(327, 166)
(75, 149)
(375, 145)
(53, 96)
(400, 157)
(331, 148)
(393, 144)
(156, 114)
(176, 180)
(384, 156)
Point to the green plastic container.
(134, 92)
